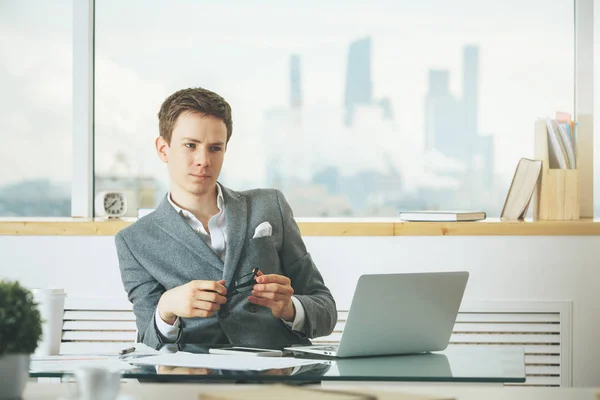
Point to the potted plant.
(20, 331)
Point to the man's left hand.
(274, 292)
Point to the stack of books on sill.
(562, 140)
(557, 194)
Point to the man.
(211, 265)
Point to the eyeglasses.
(242, 284)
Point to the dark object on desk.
(442, 216)
(127, 351)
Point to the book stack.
(561, 138)
(557, 194)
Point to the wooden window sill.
(326, 227)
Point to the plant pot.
(14, 372)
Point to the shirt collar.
(187, 214)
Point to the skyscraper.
(451, 122)
(439, 83)
(359, 88)
(485, 144)
(295, 82)
(444, 118)
(471, 90)
(438, 87)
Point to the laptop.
(398, 314)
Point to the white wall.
(502, 268)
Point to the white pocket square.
(264, 229)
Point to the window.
(350, 108)
(35, 108)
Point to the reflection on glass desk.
(491, 364)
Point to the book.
(279, 391)
(561, 142)
(521, 189)
(566, 138)
(442, 216)
(567, 131)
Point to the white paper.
(112, 351)
(228, 362)
(142, 349)
(73, 363)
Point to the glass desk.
(476, 364)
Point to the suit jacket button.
(252, 308)
(223, 313)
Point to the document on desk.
(73, 363)
(228, 362)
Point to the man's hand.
(195, 299)
(274, 292)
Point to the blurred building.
(359, 84)
(451, 122)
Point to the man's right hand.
(195, 299)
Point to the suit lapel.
(236, 223)
(175, 226)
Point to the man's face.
(195, 156)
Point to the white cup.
(95, 383)
(51, 303)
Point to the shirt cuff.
(298, 323)
(168, 332)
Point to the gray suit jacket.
(161, 251)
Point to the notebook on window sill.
(442, 216)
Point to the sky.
(145, 50)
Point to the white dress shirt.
(216, 238)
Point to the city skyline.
(131, 85)
(443, 108)
(454, 137)
(358, 98)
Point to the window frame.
(82, 190)
(82, 184)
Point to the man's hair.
(194, 100)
